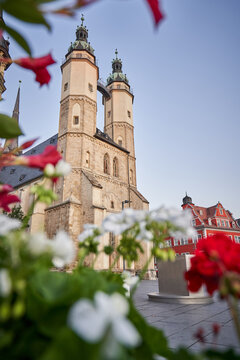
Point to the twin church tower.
(103, 177)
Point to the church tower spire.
(118, 120)
(15, 115)
(78, 105)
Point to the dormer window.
(194, 222)
(221, 211)
(209, 221)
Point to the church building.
(103, 177)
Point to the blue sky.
(186, 80)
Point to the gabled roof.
(19, 175)
(106, 138)
(139, 195)
(204, 213)
(91, 178)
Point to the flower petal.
(125, 332)
(86, 321)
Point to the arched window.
(115, 167)
(106, 164)
(76, 114)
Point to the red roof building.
(207, 221)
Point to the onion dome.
(187, 200)
(81, 42)
(117, 74)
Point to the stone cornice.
(63, 204)
(93, 140)
(80, 98)
(120, 124)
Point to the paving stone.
(180, 322)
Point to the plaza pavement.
(180, 322)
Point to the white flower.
(49, 170)
(62, 168)
(63, 249)
(90, 320)
(39, 244)
(182, 220)
(7, 224)
(89, 231)
(117, 223)
(5, 283)
(129, 281)
(144, 234)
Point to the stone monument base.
(172, 285)
(178, 299)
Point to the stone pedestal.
(172, 285)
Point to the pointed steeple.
(15, 115)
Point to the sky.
(185, 76)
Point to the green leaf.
(25, 10)
(17, 37)
(9, 128)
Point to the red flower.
(27, 144)
(5, 198)
(155, 8)
(215, 257)
(199, 335)
(49, 156)
(38, 66)
(216, 328)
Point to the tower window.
(90, 87)
(109, 114)
(119, 141)
(131, 176)
(76, 120)
(65, 86)
(112, 205)
(88, 159)
(106, 166)
(115, 167)
(129, 114)
(118, 86)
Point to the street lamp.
(123, 203)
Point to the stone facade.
(103, 163)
